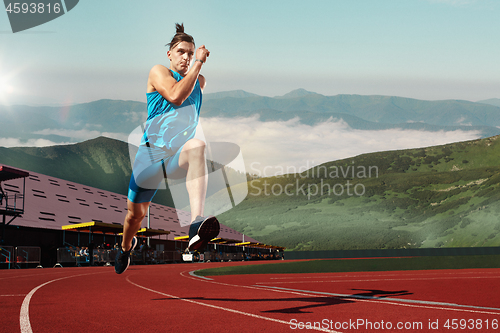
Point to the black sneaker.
(122, 260)
(201, 231)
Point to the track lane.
(168, 298)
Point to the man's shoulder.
(160, 69)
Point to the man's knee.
(136, 214)
(196, 144)
(196, 148)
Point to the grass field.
(360, 265)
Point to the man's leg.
(133, 219)
(192, 159)
(202, 229)
(135, 214)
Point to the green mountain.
(298, 93)
(103, 163)
(491, 101)
(224, 94)
(443, 196)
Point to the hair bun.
(180, 36)
(179, 28)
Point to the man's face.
(181, 56)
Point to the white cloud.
(270, 147)
(74, 135)
(15, 142)
(83, 134)
(461, 122)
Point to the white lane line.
(361, 298)
(225, 309)
(378, 280)
(398, 301)
(12, 295)
(243, 286)
(24, 316)
(198, 276)
(348, 276)
(29, 276)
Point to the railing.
(156, 257)
(20, 257)
(12, 203)
(74, 257)
(6, 256)
(217, 256)
(77, 257)
(28, 256)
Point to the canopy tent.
(105, 228)
(7, 173)
(109, 228)
(214, 240)
(265, 246)
(226, 241)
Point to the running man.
(168, 147)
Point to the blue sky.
(425, 49)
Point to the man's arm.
(177, 92)
(203, 82)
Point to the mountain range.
(116, 118)
(426, 197)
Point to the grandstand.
(51, 203)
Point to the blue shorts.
(152, 165)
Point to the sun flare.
(7, 87)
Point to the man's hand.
(202, 53)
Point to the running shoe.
(122, 260)
(201, 231)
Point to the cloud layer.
(270, 147)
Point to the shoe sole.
(208, 230)
(131, 249)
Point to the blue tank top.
(170, 126)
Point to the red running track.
(167, 298)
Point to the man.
(168, 147)
(143, 250)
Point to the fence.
(156, 257)
(218, 256)
(74, 257)
(6, 256)
(20, 257)
(232, 256)
(386, 253)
